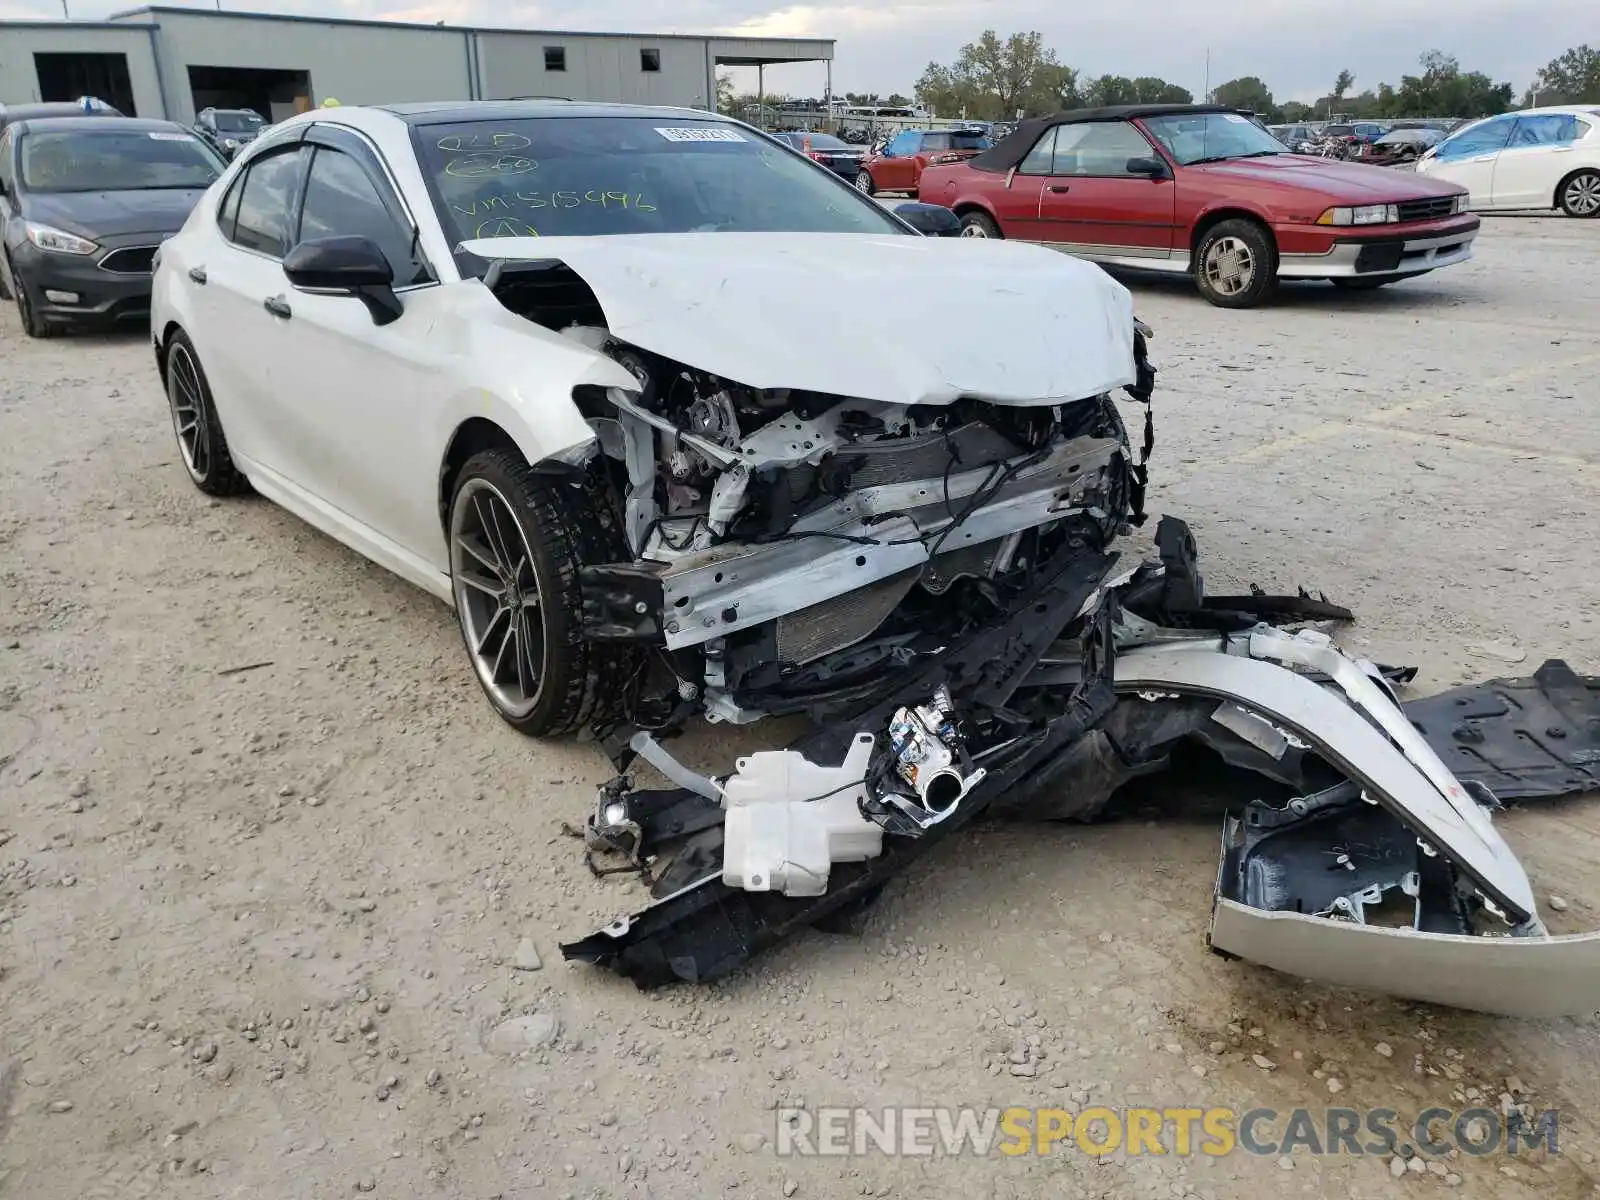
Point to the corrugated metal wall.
(19, 80)
(597, 68)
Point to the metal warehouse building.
(172, 62)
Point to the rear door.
(1468, 158)
(1093, 205)
(1535, 159)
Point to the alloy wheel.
(187, 402)
(497, 597)
(974, 230)
(864, 182)
(1582, 197)
(1230, 266)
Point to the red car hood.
(1357, 183)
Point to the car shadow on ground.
(1312, 295)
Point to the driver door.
(1095, 205)
(1534, 160)
(357, 399)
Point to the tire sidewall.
(179, 343)
(559, 603)
(983, 221)
(1262, 249)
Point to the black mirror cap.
(345, 263)
(930, 220)
(1154, 167)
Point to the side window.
(1556, 129)
(265, 220)
(1037, 161)
(1487, 137)
(902, 143)
(342, 200)
(1100, 148)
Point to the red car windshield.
(1193, 138)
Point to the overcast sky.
(1298, 48)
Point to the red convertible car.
(1202, 190)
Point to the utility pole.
(64, 11)
(1208, 72)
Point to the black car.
(229, 129)
(87, 107)
(838, 156)
(84, 205)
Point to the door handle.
(1058, 188)
(277, 307)
(198, 274)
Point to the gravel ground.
(257, 929)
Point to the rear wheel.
(1579, 194)
(517, 543)
(979, 225)
(201, 443)
(865, 184)
(1236, 264)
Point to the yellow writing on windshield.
(456, 143)
(505, 227)
(576, 199)
(485, 166)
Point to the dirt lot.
(257, 928)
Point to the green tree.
(1059, 89)
(994, 79)
(1444, 90)
(1573, 78)
(1294, 112)
(724, 93)
(1248, 92)
(1149, 90)
(1343, 84)
(1103, 90)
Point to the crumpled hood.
(900, 319)
(98, 215)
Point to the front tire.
(1579, 194)
(1236, 264)
(33, 324)
(980, 225)
(865, 183)
(517, 542)
(201, 442)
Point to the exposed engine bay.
(792, 546)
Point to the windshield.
(81, 160)
(1211, 137)
(566, 176)
(236, 122)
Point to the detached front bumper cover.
(1363, 853)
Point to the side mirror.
(930, 220)
(353, 266)
(1155, 168)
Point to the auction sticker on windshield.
(701, 134)
(171, 137)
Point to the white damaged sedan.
(666, 412)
